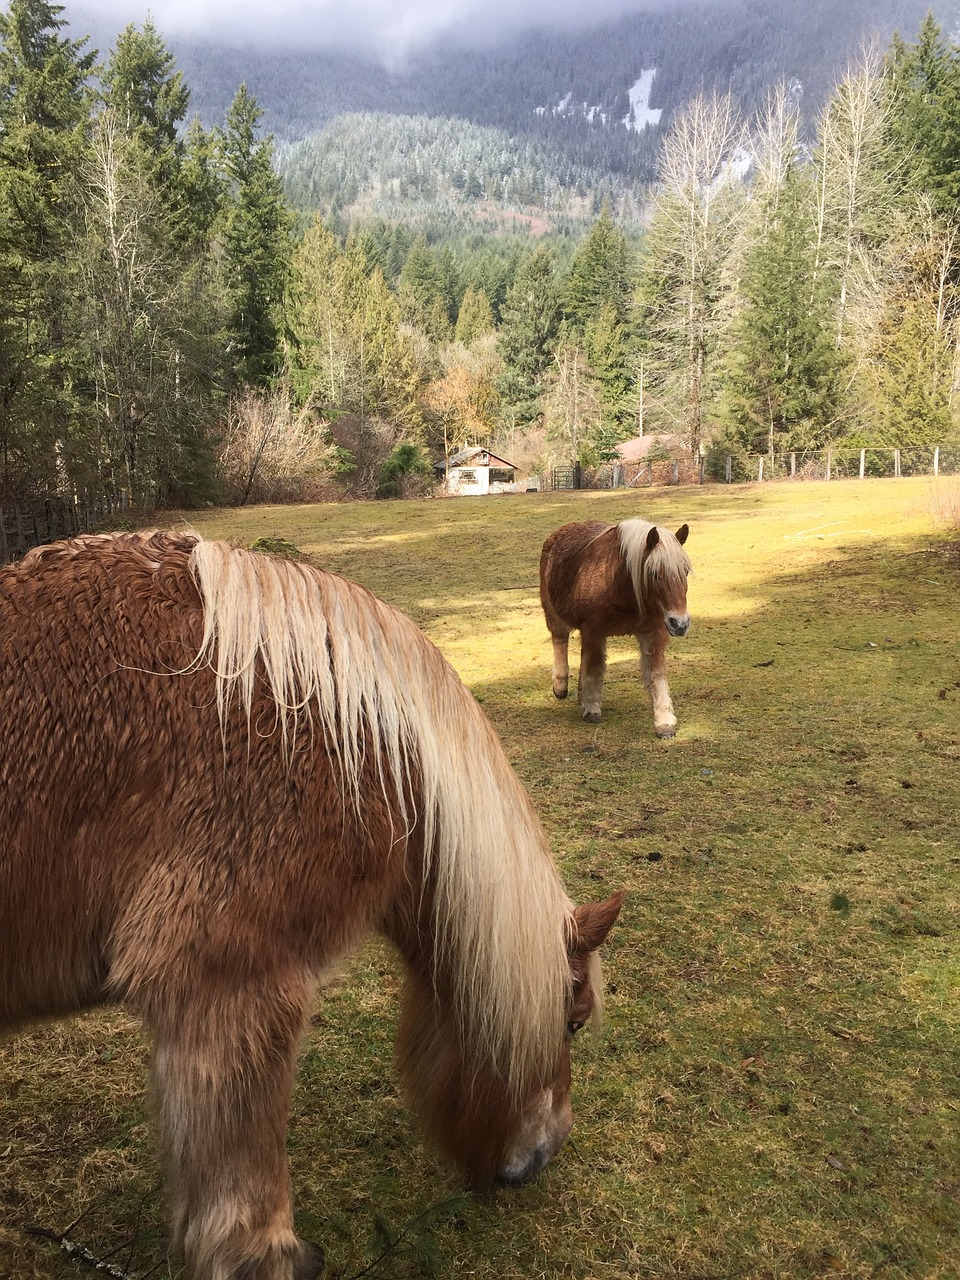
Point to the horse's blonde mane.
(340, 660)
(668, 557)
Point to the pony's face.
(667, 577)
(548, 1117)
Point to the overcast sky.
(390, 29)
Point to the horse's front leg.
(653, 669)
(223, 1065)
(593, 666)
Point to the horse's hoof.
(312, 1263)
(666, 733)
(560, 693)
(592, 717)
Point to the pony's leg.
(593, 666)
(653, 668)
(561, 662)
(223, 1073)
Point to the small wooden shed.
(476, 471)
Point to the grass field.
(776, 1090)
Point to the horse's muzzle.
(677, 624)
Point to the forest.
(188, 316)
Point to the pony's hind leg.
(593, 666)
(561, 661)
(653, 669)
(222, 1068)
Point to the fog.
(390, 30)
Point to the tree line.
(171, 330)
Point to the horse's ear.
(653, 537)
(593, 921)
(683, 533)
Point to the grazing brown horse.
(615, 580)
(219, 771)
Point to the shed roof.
(464, 458)
(639, 448)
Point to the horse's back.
(582, 574)
(140, 836)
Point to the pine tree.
(528, 333)
(257, 243)
(599, 275)
(784, 366)
(474, 317)
(924, 83)
(149, 100)
(45, 107)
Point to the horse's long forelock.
(667, 558)
(334, 654)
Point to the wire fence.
(844, 463)
(839, 462)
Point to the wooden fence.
(27, 525)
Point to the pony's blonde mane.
(668, 558)
(338, 659)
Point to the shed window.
(468, 477)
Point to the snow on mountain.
(641, 113)
(639, 116)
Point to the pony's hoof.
(560, 693)
(592, 717)
(667, 733)
(312, 1264)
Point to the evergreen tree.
(528, 333)
(599, 275)
(149, 100)
(474, 317)
(257, 244)
(45, 107)
(924, 82)
(421, 291)
(605, 345)
(784, 366)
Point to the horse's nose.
(517, 1171)
(678, 624)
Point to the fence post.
(760, 470)
(793, 466)
(728, 469)
(896, 464)
(863, 461)
(936, 460)
(829, 460)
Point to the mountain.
(556, 83)
(593, 104)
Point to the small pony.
(615, 580)
(220, 770)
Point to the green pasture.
(776, 1089)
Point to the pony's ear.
(653, 537)
(593, 921)
(682, 533)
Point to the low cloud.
(390, 30)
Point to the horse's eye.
(574, 1027)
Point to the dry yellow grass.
(777, 1090)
